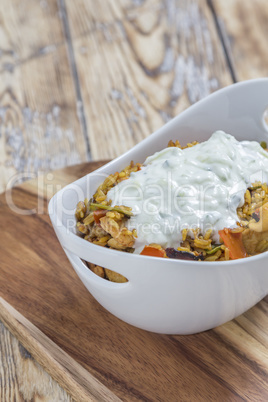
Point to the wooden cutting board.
(91, 353)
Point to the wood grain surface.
(86, 79)
(22, 378)
(39, 125)
(227, 363)
(244, 29)
(65, 370)
(159, 57)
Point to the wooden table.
(86, 80)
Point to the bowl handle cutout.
(89, 278)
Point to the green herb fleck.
(214, 250)
(254, 188)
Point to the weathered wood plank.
(141, 63)
(73, 68)
(39, 126)
(40, 123)
(22, 378)
(29, 28)
(244, 27)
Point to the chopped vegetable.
(183, 255)
(99, 213)
(255, 187)
(234, 243)
(263, 144)
(213, 250)
(124, 210)
(153, 252)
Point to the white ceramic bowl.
(165, 295)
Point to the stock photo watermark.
(157, 207)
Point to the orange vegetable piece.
(99, 213)
(234, 243)
(153, 252)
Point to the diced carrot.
(234, 243)
(99, 213)
(153, 252)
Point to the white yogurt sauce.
(201, 186)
